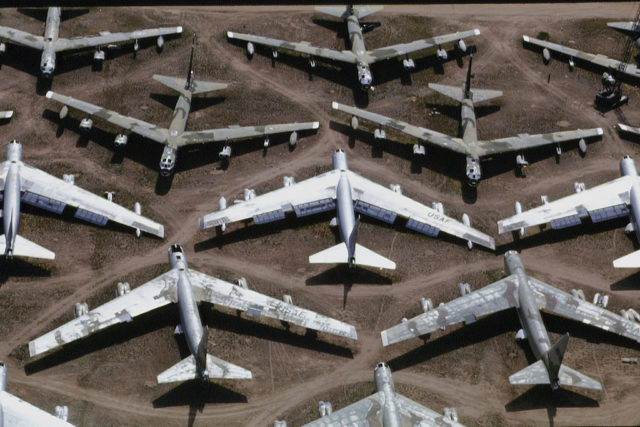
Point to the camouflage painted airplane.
(347, 193)
(469, 145)
(21, 183)
(385, 408)
(528, 296)
(614, 199)
(358, 55)
(186, 287)
(15, 412)
(50, 44)
(176, 136)
(600, 60)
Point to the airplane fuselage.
(344, 202)
(628, 168)
(11, 202)
(470, 138)
(384, 383)
(176, 129)
(188, 310)
(354, 29)
(51, 31)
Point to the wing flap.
(524, 142)
(233, 133)
(106, 38)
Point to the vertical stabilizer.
(553, 359)
(189, 80)
(351, 245)
(467, 83)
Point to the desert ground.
(110, 378)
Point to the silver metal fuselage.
(527, 309)
(51, 30)
(358, 48)
(176, 128)
(11, 202)
(188, 310)
(628, 168)
(344, 200)
(384, 383)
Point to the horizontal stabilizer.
(631, 260)
(537, 374)
(629, 129)
(455, 92)
(26, 248)
(343, 12)
(6, 114)
(338, 254)
(197, 86)
(216, 368)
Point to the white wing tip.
(230, 34)
(476, 31)
(8, 114)
(335, 105)
(624, 127)
(315, 125)
(32, 349)
(525, 38)
(385, 340)
(179, 29)
(49, 94)
(599, 131)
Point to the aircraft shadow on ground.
(629, 283)
(197, 102)
(17, 267)
(198, 394)
(343, 275)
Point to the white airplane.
(15, 412)
(347, 193)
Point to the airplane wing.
(599, 60)
(556, 301)
(153, 294)
(106, 38)
(52, 194)
(427, 135)
(629, 129)
(16, 412)
(243, 132)
(603, 202)
(21, 37)
(343, 12)
(365, 412)
(385, 204)
(526, 141)
(131, 124)
(216, 291)
(6, 114)
(301, 47)
(457, 93)
(396, 50)
(628, 26)
(308, 197)
(495, 297)
(411, 410)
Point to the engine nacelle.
(293, 138)
(571, 63)
(80, 309)
(442, 54)
(354, 123)
(437, 206)
(462, 46)
(396, 188)
(225, 154)
(279, 423)
(64, 111)
(69, 178)
(408, 64)
(160, 42)
(250, 49)
(287, 299)
(325, 408)
(274, 53)
(419, 150)
(578, 293)
(242, 282)
(222, 205)
(266, 141)
(467, 221)
(521, 164)
(426, 304)
(473, 171)
(546, 55)
(451, 414)
(61, 412)
(109, 195)
(98, 56)
(464, 288)
(579, 187)
(86, 124)
(544, 199)
(379, 134)
(288, 181)
(122, 288)
(249, 194)
(312, 62)
(120, 140)
(582, 145)
(167, 160)
(3, 48)
(136, 46)
(608, 79)
(601, 300)
(138, 210)
(517, 207)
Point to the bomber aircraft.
(176, 136)
(385, 408)
(347, 193)
(50, 44)
(528, 296)
(469, 145)
(629, 27)
(15, 412)
(614, 199)
(186, 287)
(358, 55)
(23, 183)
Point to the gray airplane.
(630, 28)
(358, 55)
(15, 412)
(176, 135)
(618, 198)
(50, 44)
(469, 145)
(23, 183)
(186, 287)
(347, 193)
(528, 296)
(6, 115)
(386, 408)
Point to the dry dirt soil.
(110, 378)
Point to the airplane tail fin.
(216, 368)
(353, 238)
(26, 248)
(475, 95)
(631, 260)
(339, 254)
(344, 11)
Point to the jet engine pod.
(546, 55)
(582, 145)
(3, 48)
(354, 123)
(160, 42)
(408, 64)
(380, 134)
(462, 46)
(122, 288)
(419, 150)
(63, 112)
(442, 54)
(136, 46)
(293, 138)
(98, 56)
(250, 49)
(225, 154)
(86, 124)
(121, 140)
(80, 309)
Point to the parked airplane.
(24, 183)
(6, 115)
(614, 199)
(358, 55)
(15, 412)
(176, 136)
(186, 287)
(347, 193)
(469, 145)
(385, 408)
(528, 296)
(50, 44)
(631, 28)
